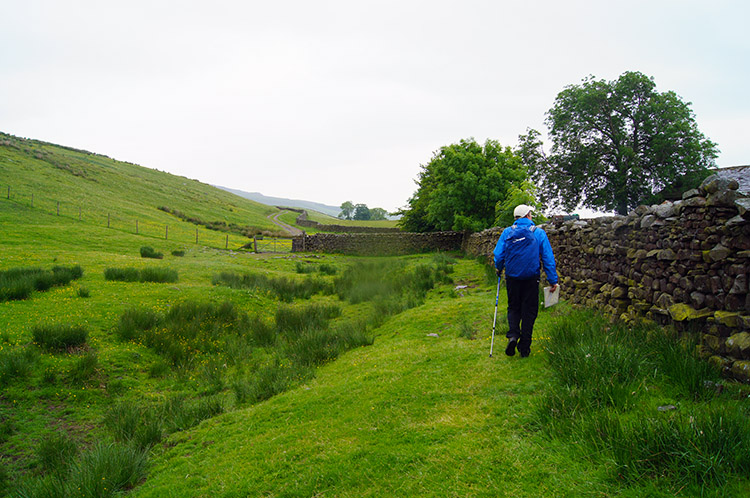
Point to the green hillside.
(210, 372)
(104, 190)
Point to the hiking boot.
(524, 354)
(510, 349)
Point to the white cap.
(522, 210)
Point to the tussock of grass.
(84, 368)
(59, 336)
(292, 320)
(55, 453)
(103, 471)
(608, 377)
(391, 285)
(16, 363)
(188, 329)
(19, 283)
(284, 288)
(268, 381)
(150, 274)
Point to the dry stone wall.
(685, 263)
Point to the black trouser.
(523, 307)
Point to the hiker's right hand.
(498, 272)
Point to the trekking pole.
(494, 320)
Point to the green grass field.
(287, 375)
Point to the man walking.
(518, 251)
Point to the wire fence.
(177, 232)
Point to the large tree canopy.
(615, 143)
(459, 187)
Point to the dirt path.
(274, 217)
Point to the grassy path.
(412, 415)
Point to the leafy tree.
(347, 209)
(460, 186)
(616, 143)
(523, 194)
(361, 212)
(378, 214)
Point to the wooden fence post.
(226, 243)
(196, 235)
(166, 232)
(8, 191)
(58, 208)
(255, 243)
(107, 220)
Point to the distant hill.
(279, 201)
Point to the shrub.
(84, 292)
(149, 252)
(59, 336)
(178, 253)
(55, 453)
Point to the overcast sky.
(336, 100)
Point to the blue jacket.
(545, 252)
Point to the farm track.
(274, 217)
